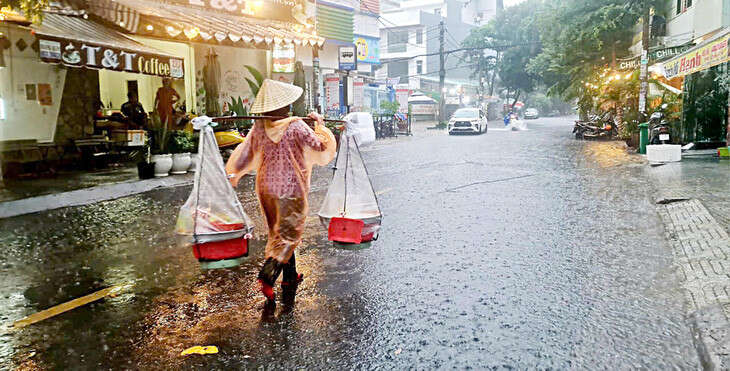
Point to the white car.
(467, 120)
(532, 114)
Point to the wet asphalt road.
(505, 250)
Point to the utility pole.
(316, 80)
(494, 75)
(644, 72)
(442, 73)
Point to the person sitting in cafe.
(134, 112)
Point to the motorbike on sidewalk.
(596, 127)
(659, 132)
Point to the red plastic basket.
(345, 230)
(221, 250)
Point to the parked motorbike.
(659, 132)
(227, 136)
(385, 126)
(597, 127)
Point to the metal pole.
(315, 80)
(644, 73)
(442, 73)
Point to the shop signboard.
(95, 56)
(45, 97)
(710, 55)
(358, 91)
(368, 49)
(50, 49)
(402, 91)
(392, 81)
(332, 91)
(347, 58)
(284, 58)
(423, 108)
(295, 11)
(654, 56)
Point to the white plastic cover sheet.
(350, 194)
(212, 211)
(360, 126)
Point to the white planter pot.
(180, 163)
(163, 164)
(193, 162)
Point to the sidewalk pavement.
(696, 220)
(89, 195)
(20, 197)
(16, 189)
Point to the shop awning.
(707, 54)
(199, 20)
(75, 41)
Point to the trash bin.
(643, 137)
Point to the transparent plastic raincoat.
(282, 153)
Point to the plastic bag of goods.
(350, 210)
(212, 219)
(360, 126)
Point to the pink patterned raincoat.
(282, 153)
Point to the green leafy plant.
(334, 127)
(239, 106)
(258, 77)
(389, 108)
(181, 141)
(159, 134)
(31, 9)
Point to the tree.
(580, 38)
(483, 63)
(31, 9)
(514, 37)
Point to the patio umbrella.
(211, 82)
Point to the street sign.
(348, 58)
(392, 81)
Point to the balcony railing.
(397, 48)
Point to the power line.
(381, 20)
(491, 47)
(453, 39)
(447, 69)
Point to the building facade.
(702, 25)
(410, 39)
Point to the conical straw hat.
(274, 95)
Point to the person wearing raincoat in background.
(282, 153)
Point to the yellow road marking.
(67, 306)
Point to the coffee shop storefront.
(113, 62)
(267, 35)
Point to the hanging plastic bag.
(350, 203)
(360, 126)
(212, 220)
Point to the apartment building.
(409, 35)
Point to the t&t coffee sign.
(81, 54)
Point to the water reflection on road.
(510, 249)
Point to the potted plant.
(160, 138)
(240, 108)
(336, 130)
(181, 143)
(194, 156)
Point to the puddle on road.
(559, 271)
